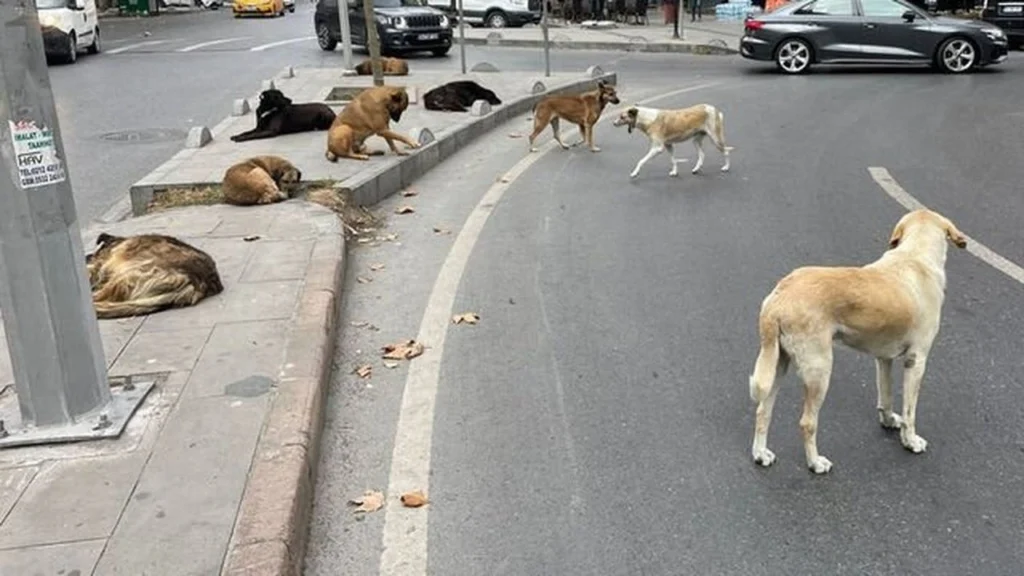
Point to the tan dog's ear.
(897, 235)
(632, 113)
(955, 235)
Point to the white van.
(68, 27)
(493, 13)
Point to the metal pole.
(372, 42)
(462, 37)
(52, 333)
(346, 36)
(544, 32)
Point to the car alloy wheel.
(72, 48)
(957, 55)
(497, 19)
(323, 38)
(793, 56)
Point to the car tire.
(292, 9)
(496, 19)
(324, 39)
(95, 47)
(957, 55)
(440, 52)
(71, 56)
(794, 56)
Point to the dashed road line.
(405, 530)
(136, 45)
(211, 43)
(263, 47)
(986, 254)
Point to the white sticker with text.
(36, 152)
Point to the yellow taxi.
(258, 8)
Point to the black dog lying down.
(276, 115)
(458, 96)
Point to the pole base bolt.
(103, 423)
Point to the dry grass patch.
(357, 220)
(190, 196)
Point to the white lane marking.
(405, 529)
(211, 43)
(986, 254)
(136, 45)
(263, 47)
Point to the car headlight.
(399, 23)
(994, 33)
(384, 20)
(444, 21)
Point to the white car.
(290, 5)
(68, 26)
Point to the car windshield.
(44, 4)
(397, 3)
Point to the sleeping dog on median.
(277, 115)
(137, 275)
(458, 96)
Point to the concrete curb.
(270, 532)
(656, 47)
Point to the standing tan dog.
(389, 67)
(890, 308)
(584, 110)
(367, 115)
(137, 275)
(259, 180)
(667, 127)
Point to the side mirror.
(909, 15)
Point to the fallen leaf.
(364, 240)
(405, 210)
(503, 180)
(409, 192)
(371, 501)
(388, 238)
(363, 279)
(414, 499)
(515, 135)
(364, 371)
(404, 350)
(441, 231)
(376, 267)
(358, 324)
(251, 238)
(391, 365)
(468, 318)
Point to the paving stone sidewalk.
(240, 375)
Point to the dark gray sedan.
(807, 32)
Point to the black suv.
(1008, 15)
(402, 26)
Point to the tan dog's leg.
(656, 148)
(583, 136)
(718, 138)
(913, 373)
(590, 138)
(541, 119)
(391, 136)
(675, 161)
(815, 367)
(883, 379)
(762, 455)
(556, 128)
(698, 143)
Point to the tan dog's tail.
(771, 360)
(720, 130)
(186, 295)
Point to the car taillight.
(752, 25)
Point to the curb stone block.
(198, 136)
(422, 135)
(240, 107)
(268, 85)
(484, 67)
(594, 71)
(480, 108)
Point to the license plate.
(1013, 9)
(429, 36)
(250, 8)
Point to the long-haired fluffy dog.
(889, 309)
(137, 275)
(277, 115)
(458, 96)
(388, 66)
(259, 180)
(664, 128)
(584, 110)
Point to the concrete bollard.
(198, 136)
(537, 87)
(595, 72)
(494, 38)
(268, 85)
(480, 108)
(289, 72)
(422, 135)
(484, 67)
(240, 107)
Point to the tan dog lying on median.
(389, 67)
(368, 114)
(137, 275)
(890, 309)
(584, 110)
(259, 180)
(667, 127)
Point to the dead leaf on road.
(358, 324)
(376, 267)
(371, 501)
(441, 231)
(363, 279)
(468, 318)
(251, 238)
(391, 365)
(364, 371)
(414, 499)
(405, 210)
(503, 180)
(515, 135)
(404, 350)
(409, 192)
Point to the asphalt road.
(597, 420)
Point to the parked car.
(68, 26)
(1008, 15)
(290, 5)
(807, 32)
(258, 7)
(493, 13)
(402, 26)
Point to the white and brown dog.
(889, 309)
(664, 128)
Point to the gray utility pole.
(462, 37)
(373, 42)
(544, 31)
(52, 333)
(346, 37)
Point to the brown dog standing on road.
(389, 66)
(584, 110)
(889, 308)
(259, 180)
(368, 114)
(138, 275)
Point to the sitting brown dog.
(389, 66)
(368, 114)
(137, 275)
(258, 180)
(582, 109)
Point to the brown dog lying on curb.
(389, 66)
(259, 180)
(368, 114)
(138, 275)
(889, 308)
(584, 110)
